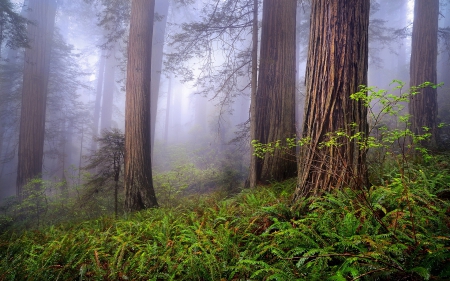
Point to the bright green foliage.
(180, 171)
(389, 125)
(45, 204)
(398, 232)
(398, 229)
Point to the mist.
(224, 140)
(200, 88)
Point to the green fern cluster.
(387, 233)
(396, 231)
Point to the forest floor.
(396, 230)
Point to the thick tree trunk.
(34, 92)
(337, 64)
(253, 159)
(275, 99)
(139, 192)
(423, 106)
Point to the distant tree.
(159, 39)
(424, 50)
(34, 92)
(275, 98)
(66, 113)
(139, 191)
(108, 88)
(107, 161)
(13, 27)
(337, 65)
(13, 30)
(98, 99)
(113, 19)
(219, 30)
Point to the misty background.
(202, 79)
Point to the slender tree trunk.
(80, 156)
(34, 92)
(116, 199)
(253, 159)
(159, 31)
(168, 105)
(337, 64)
(2, 24)
(8, 111)
(98, 99)
(275, 99)
(108, 90)
(423, 106)
(139, 192)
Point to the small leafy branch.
(388, 125)
(263, 149)
(389, 139)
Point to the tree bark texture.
(139, 192)
(275, 98)
(423, 106)
(254, 84)
(337, 64)
(34, 92)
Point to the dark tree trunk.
(34, 92)
(337, 64)
(275, 99)
(423, 106)
(139, 192)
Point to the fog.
(200, 89)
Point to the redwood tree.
(34, 91)
(139, 192)
(423, 106)
(252, 176)
(337, 64)
(275, 98)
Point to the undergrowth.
(395, 233)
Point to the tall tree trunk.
(159, 31)
(275, 99)
(423, 106)
(254, 84)
(337, 64)
(167, 120)
(108, 89)
(34, 92)
(139, 192)
(8, 111)
(98, 99)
